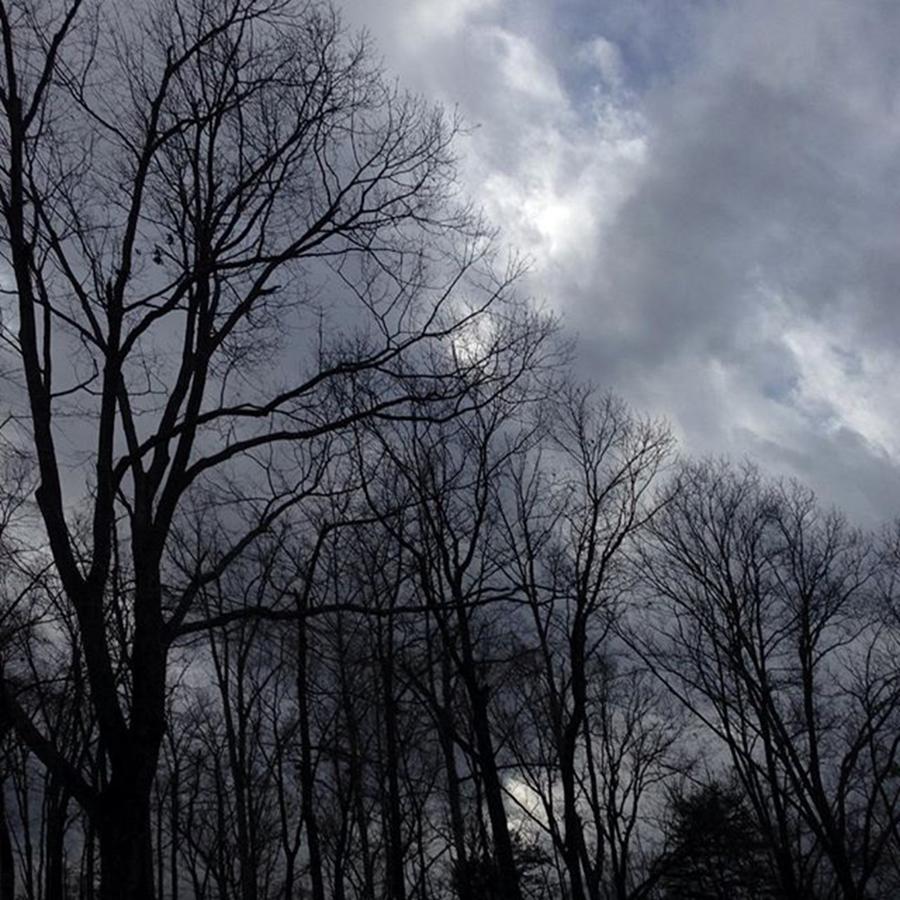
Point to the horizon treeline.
(323, 575)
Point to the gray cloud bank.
(710, 194)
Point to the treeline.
(322, 577)
(518, 652)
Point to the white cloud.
(606, 57)
(441, 19)
(523, 68)
(840, 388)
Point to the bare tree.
(448, 476)
(767, 627)
(567, 534)
(190, 191)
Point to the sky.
(709, 193)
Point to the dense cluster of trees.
(322, 577)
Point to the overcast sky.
(710, 192)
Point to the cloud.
(605, 56)
(766, 174)
(442, 20)
(709, 192)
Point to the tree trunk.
(88, 870)
(54, 841)
(493, 787)
(307, 767)
(493, 793)
(573, 826)
(446, 735)
(174, 826)
(126, 853)
(394, 864)
(7, 864)
(574, 833)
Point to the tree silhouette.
(717, 851)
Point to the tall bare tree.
(567, 534)
(190, 191)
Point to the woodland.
(322, 575)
